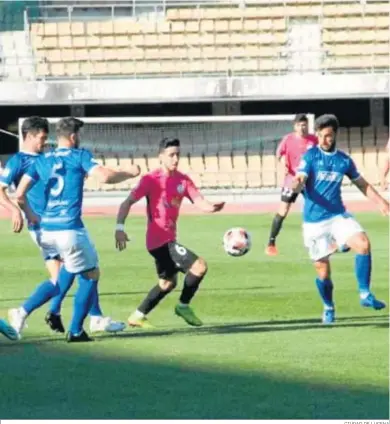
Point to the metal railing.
(101, 9)
(251, 169)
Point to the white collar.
(328, 153)
(29, 153)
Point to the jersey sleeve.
(142, 189)
(352, 172)
(32, 172)
(88, 162)
(282, 148)
(191, 191)
(305, 165)
(9, 174)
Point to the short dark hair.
(168, 142)
(325, 121)
(34, 125)
(65, 127)
(300, 117)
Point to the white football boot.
(107, 324)
(17, 318)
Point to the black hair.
(65, 127)
(325, 121)
(168, 142)
(300, 117)
(34, 125)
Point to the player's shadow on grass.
(262, 328)
(206, 289)
(87, 382)
(144, 292)
(378, 321)
(259, 328)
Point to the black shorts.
(171, 258)
(288, 196)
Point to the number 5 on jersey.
(59, 180)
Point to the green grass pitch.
(262, 353)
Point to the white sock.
(328, 308)
(23, 313)
(364, 295)
(184, 305)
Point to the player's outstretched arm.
(21, 198)
(204, 205)
(195, 196)
(16, 214)
(112, 176)
(121, 237)
(369, 191)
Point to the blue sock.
(82, 304)
(325, 288)
(95, 310)
(42, 294)
(65, 281)
(363, 273)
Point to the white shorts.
(323, 238)
(48, 252)
(75, 248)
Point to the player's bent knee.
(284, 209)
(93, 274)
(167, 285)
(360, 243)
(53, 266)
(323, 269)
(199, 267)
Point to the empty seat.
(359, 62)
(356, 49)
(268, 170)
(239, 162)
(371, 168)
(355, 22)
(213, 39)
(357, 35)
(211, 163)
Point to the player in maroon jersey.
(164, 189)
(289, 152)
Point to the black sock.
(275, 229)
(152, 299)
(191, 285)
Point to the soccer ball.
(237, 242)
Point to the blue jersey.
(15, 168)
(62, 171)
(325, 172)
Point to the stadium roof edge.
(190, 3)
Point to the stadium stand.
(70, 40)
(215, 39)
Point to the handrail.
(193, 3)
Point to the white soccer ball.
(237, 242)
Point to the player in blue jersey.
(35, 133)
(62, 173)
(327, 226)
